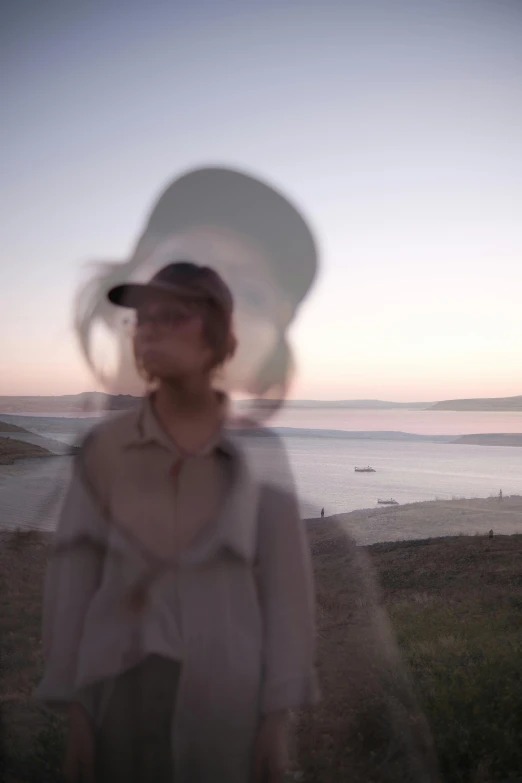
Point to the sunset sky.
(396, 126)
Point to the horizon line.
(287, 399)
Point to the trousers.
(134, 738)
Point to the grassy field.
(456, 610)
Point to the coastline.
(25, 480)
(12, 450)
(483, 511)
(459, 517)
(391, 430)
(17, 443)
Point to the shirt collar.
(146, 429)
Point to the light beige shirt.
(161, 497)
(212, 570)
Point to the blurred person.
(179, 622)
(179, 603)
(259, 244)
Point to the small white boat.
(368, 469)
(390, 502)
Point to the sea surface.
(322, 465)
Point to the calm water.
(323, 468)
(408, 472)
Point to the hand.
(271, 755)
(78, 765)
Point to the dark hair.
(218, 333)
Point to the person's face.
(169, 340)
(260, 310)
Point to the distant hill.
(90, 402)
(480, 404)
(377, 435)
(362, 404)
(11, 450)
(6, 426)
(87, 402)
(491, 439)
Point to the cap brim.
(133, 295)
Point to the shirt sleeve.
(73, 575)
(287, 599)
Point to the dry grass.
(22, 561)
(456, 608)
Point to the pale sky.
(396, 126)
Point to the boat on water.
(390, 502)
(368, 469)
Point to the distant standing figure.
(500, 496)
(491, 534)
(322, 513)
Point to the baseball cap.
(184, 279)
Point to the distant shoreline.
(486, 404)
(473, 439)
(404, 524)
(490, 439)
(12, 450)
(18, 443)
(91, 402)
(451, 518)
(479, 439)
